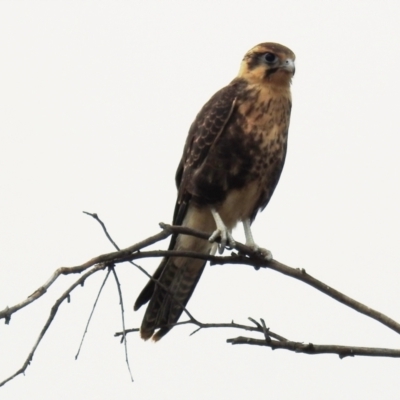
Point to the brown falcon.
(231, 164)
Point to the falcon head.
(269, 63)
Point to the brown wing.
(203, 134)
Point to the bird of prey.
(231, 164)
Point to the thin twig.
(121, 302)
(91, 314)
(96, 217)
(53, 313)
(202, 325)
(265, 331)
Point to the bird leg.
(251, 243)
(222, 232)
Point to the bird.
(231, 163)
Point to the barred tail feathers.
(179, 275)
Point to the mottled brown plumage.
(231, 164)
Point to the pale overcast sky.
(96, 99)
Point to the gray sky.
(96, 101)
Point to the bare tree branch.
(104, 258)
(53, 313)
(282, 343)
(201, 325)
(241, 255)
(165, 227)
(312, 349)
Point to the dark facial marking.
(253, 61)
(270, 71)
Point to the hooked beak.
(288, 65)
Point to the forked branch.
(241, 254)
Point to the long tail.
(177, 277)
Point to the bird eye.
(269, 58)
